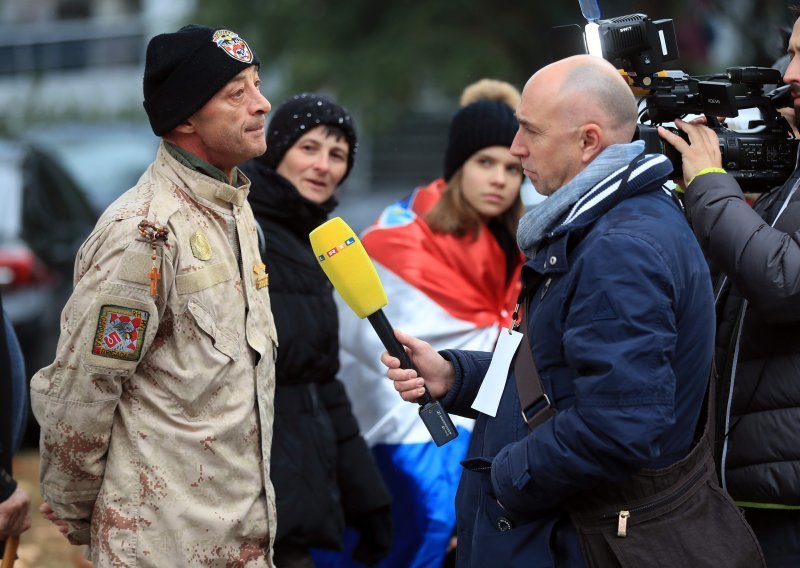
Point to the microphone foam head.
(348, 266)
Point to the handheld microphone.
(349, 268)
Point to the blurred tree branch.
(379, 57)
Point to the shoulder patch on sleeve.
(120, 332)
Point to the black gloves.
(376, 536)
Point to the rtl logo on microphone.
(337, 248)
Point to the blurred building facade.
(77, 57)
(84, 60)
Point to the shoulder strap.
(534, 402)
(536, 405)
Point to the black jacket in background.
(758, 335)
(323, 472)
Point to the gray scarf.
(536, 223)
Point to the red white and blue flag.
(451, 292)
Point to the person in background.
(324, 475)
(15, 516)
(156, 415)
(448, 260)
(757, 251)
(782, 64)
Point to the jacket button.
(553, 260)
(504, 524)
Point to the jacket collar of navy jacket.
(646, 173)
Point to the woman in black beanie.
(324, 475)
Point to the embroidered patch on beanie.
(233, 45)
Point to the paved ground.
(42, 546)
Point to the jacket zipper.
(545, 288)
(623, 515)
(723, 469)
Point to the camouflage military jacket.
(157, 412)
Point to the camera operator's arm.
(763, 262)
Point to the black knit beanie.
(183, 70)
(477, 126)
(301, 113)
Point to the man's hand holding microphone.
(435, 372)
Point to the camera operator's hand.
(701, 152)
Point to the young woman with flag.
(448, 260)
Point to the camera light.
(663, 40)
(593, 44)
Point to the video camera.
(759, 159)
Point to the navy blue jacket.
(621, 327)
(13, 405)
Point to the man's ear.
(591, 141)
(185, 127)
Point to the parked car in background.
(55, 182)
(43, 220)
(103, 159)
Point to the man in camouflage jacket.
(157, 412)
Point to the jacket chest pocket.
(222, 339)
(204, 348)
(196, 365)
(215, 305)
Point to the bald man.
(619, 324)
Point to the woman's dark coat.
(323, 472)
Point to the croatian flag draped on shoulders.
(451, 292)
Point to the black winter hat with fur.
(301, 113)
(477, 126)
(184, 69)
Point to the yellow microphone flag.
(348, 266)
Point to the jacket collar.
(199, 185)
(537, 223)
(645, 174)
